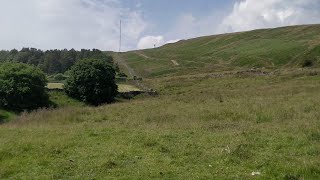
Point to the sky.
(59, 24)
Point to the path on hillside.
(175, 62)
(118, 58)
(123, 63)
(142, 55)
(147, 57)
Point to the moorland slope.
(270, 48)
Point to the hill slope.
(197, 128)
(270, 48)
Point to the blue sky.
(164, 13)
(49, 24)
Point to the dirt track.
(142, 55)
(118, 59)
(123, 63)
(175, 62)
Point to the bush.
(122, 75)
(308, 63)
(92, 81)
(60, 77)
(22, 87)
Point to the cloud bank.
(49, 24)
(76, 24)
(150, 41)
(153, 41)
(253, 14)
(247, 15)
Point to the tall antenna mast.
(120, 36)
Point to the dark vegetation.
(92, 81)
(308, 63)
(51, 61)
(5, 116)
(23, 82)
(59, 77)
(22, 87)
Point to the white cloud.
(253, 14)
(150, 42)
(172, 41)
(247, 15)
(68, 24)
(79, 24)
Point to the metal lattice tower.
(120, 39)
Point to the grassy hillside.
(270, 48)
(197, 128)
(222, 125)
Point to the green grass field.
(60, 99)
(127, 88)
(213, 118)
(269, 48)
(197, 128)
(55, 86)
(121, 87)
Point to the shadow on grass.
(2, 119)
(7, 115)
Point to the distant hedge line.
(52, 61)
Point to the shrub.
(60, 77)
(122, 75)
(22, 87)
(92, 81)
(308, 63)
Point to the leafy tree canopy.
(92, 81)
(22, 87)
(52, 61)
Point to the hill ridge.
(271, 48)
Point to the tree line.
(23, 86)
(52, 61)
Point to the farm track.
(122, 62)
(175, 62)
(142, 55)
(117, 57)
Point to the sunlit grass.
(269, 48)
(57, 86)
(121, 87)
(197, 128)
(127, 88)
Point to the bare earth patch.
(127, 88)
(175, 62)
(122, 87)
(53, 86)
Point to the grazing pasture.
(234, 106)
(121, 87)
(199, 127)
(294, 46)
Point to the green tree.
(22, 87)
(3, 55)
(67, 59)
(52, 61)
(92, 81)
(59, 77)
